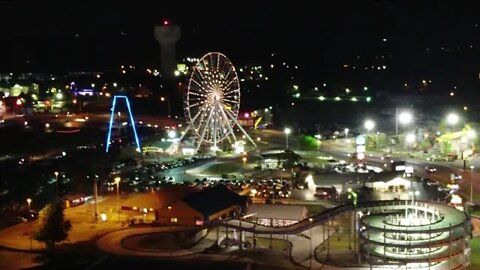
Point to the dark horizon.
(426, 40)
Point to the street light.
(29, 201)
(452, 119)
(244, 159)
(471, 134)
(287, 131)
(410, 138)
(117, 181)
(95, 197)
(471, 183)
(172, 134)
(346, 132)
(311, 238)
(56, 182)
(163, 99)
(369, 125)
(404, 118)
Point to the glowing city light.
(410, 138)
(212, 101)
(369, 124)
(405, 117)
(172, 134)
(452, 119)
(132, 122)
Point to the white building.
(276, 214)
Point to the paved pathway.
(304, 237)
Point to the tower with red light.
(167, 36)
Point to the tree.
(308, 143)
(52, 226)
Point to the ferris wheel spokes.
(205, 129)
(212, 101)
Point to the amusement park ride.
(212, 102)
(211, 106)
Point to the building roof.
(277, 211)
(158, 199)
(215, 199)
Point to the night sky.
(92, 35)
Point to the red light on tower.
(166, 23)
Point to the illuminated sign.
(246, 122)
(360, 140)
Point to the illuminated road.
(277, 140)
(442, 174)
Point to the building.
(382, 181)
(142, 206)
(276, 214)
(203, 207)
(397, 184)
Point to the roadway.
(340, 149)
(442, 174)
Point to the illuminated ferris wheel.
(212, 100)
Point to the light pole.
(369, 125)
(244, 159)
(287, 131)
(352, 195)
(311, 239)
(29, 201)
(163, 99)
(56, 182)
(117, 181)
(404, 118)
(346, 132)
(95, 197)
(471, 183)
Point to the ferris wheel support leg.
(228, 124)
(204, 129)
(241, 128)
(215, 119)
(185, 132)
(191, 124)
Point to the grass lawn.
(222, 168)
(474, 258)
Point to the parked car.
(429, 182)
